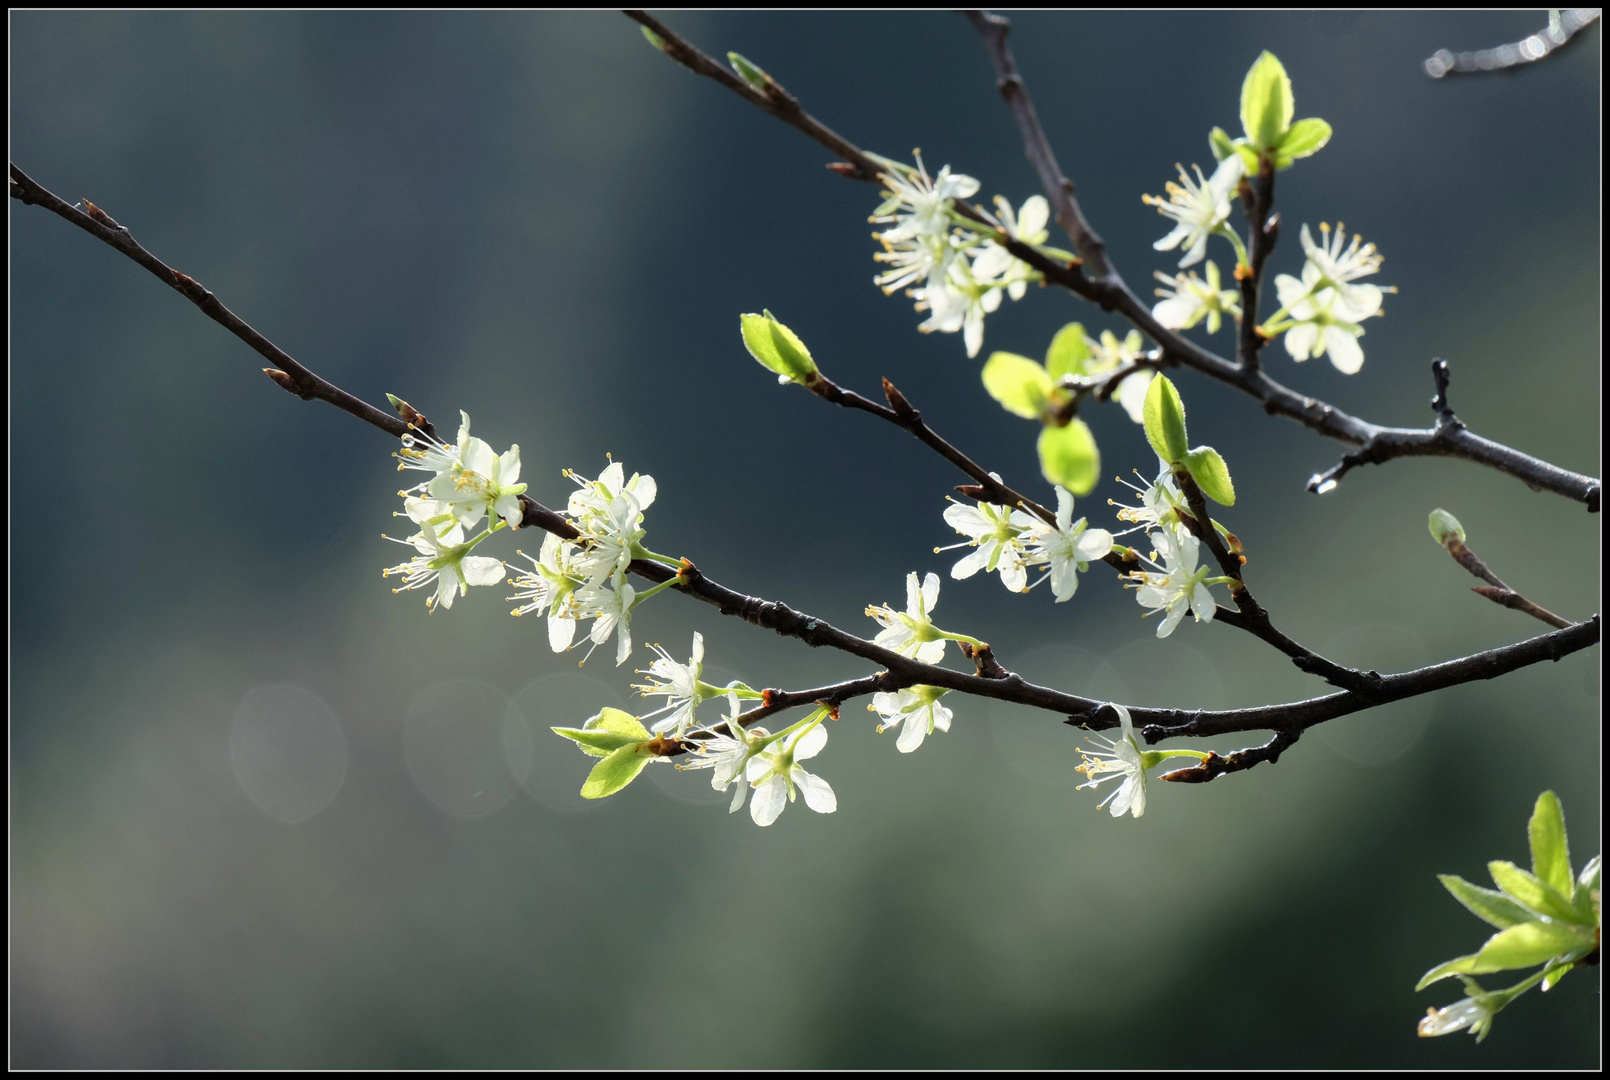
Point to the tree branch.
(898, 670)
(1111, 294)
(1057, 187)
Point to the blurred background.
(266, 813)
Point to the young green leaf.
(1068, 456)
(1220, 143)
(615, 772)
(1022, 386)
(1552, 977)
(1211, 474)
(778, 348)
(1488, 905)
(1528, 944)
(1531, 891)
(1587, 884)
(1163, 416)
(1551, 858)
(606, 732)
(1068, 352)
(1460, 965)
(1305, 137)
(1266, 102)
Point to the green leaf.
(1266, 102)
(1022, 386)
(1552, 977)
(1068, 352)
(1211, 474)
(1531, 891)
(1527, 945)
(615, 772)
(1458, 966)
(1303, 138)
(606, 732)
(1488, 905)
(778, 348)
(1588, 883)
(1551, 857)
(1220, 143)
(1068, 456)
(1164, 418)
(652, 38)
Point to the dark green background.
(539, 219)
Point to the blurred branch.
(1564, 24)
(1111, 294)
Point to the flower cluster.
(585, 578)
(754, 759)
(953, 271)
(468, 481)
(1321, 311)
(1011, 541)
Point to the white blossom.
(728, 753)
(997, 541)
(1066, 547)
(1187, 300)
(916, 709)
(1198, 208)
(775, 774)
(1179, 586)
(548, 587)
(1114, 759)
(449, 565)
(679, 683)
(912, 633)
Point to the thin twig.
(1111, 294)
(1257, 199)
(1057, 187)
(903, 414)
(1254, 619)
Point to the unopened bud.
(1445, 529)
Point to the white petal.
(818, 795)
(913, 595)
(1300, 340)
(810, 744)
(912, 730)
(1344, 350)
(561, 632)
(480, 570)
(930, 591)
(1033, 217)
(769, 800)
(1177, 312)
(931, 652)
(970, 564)
(1093, 544)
